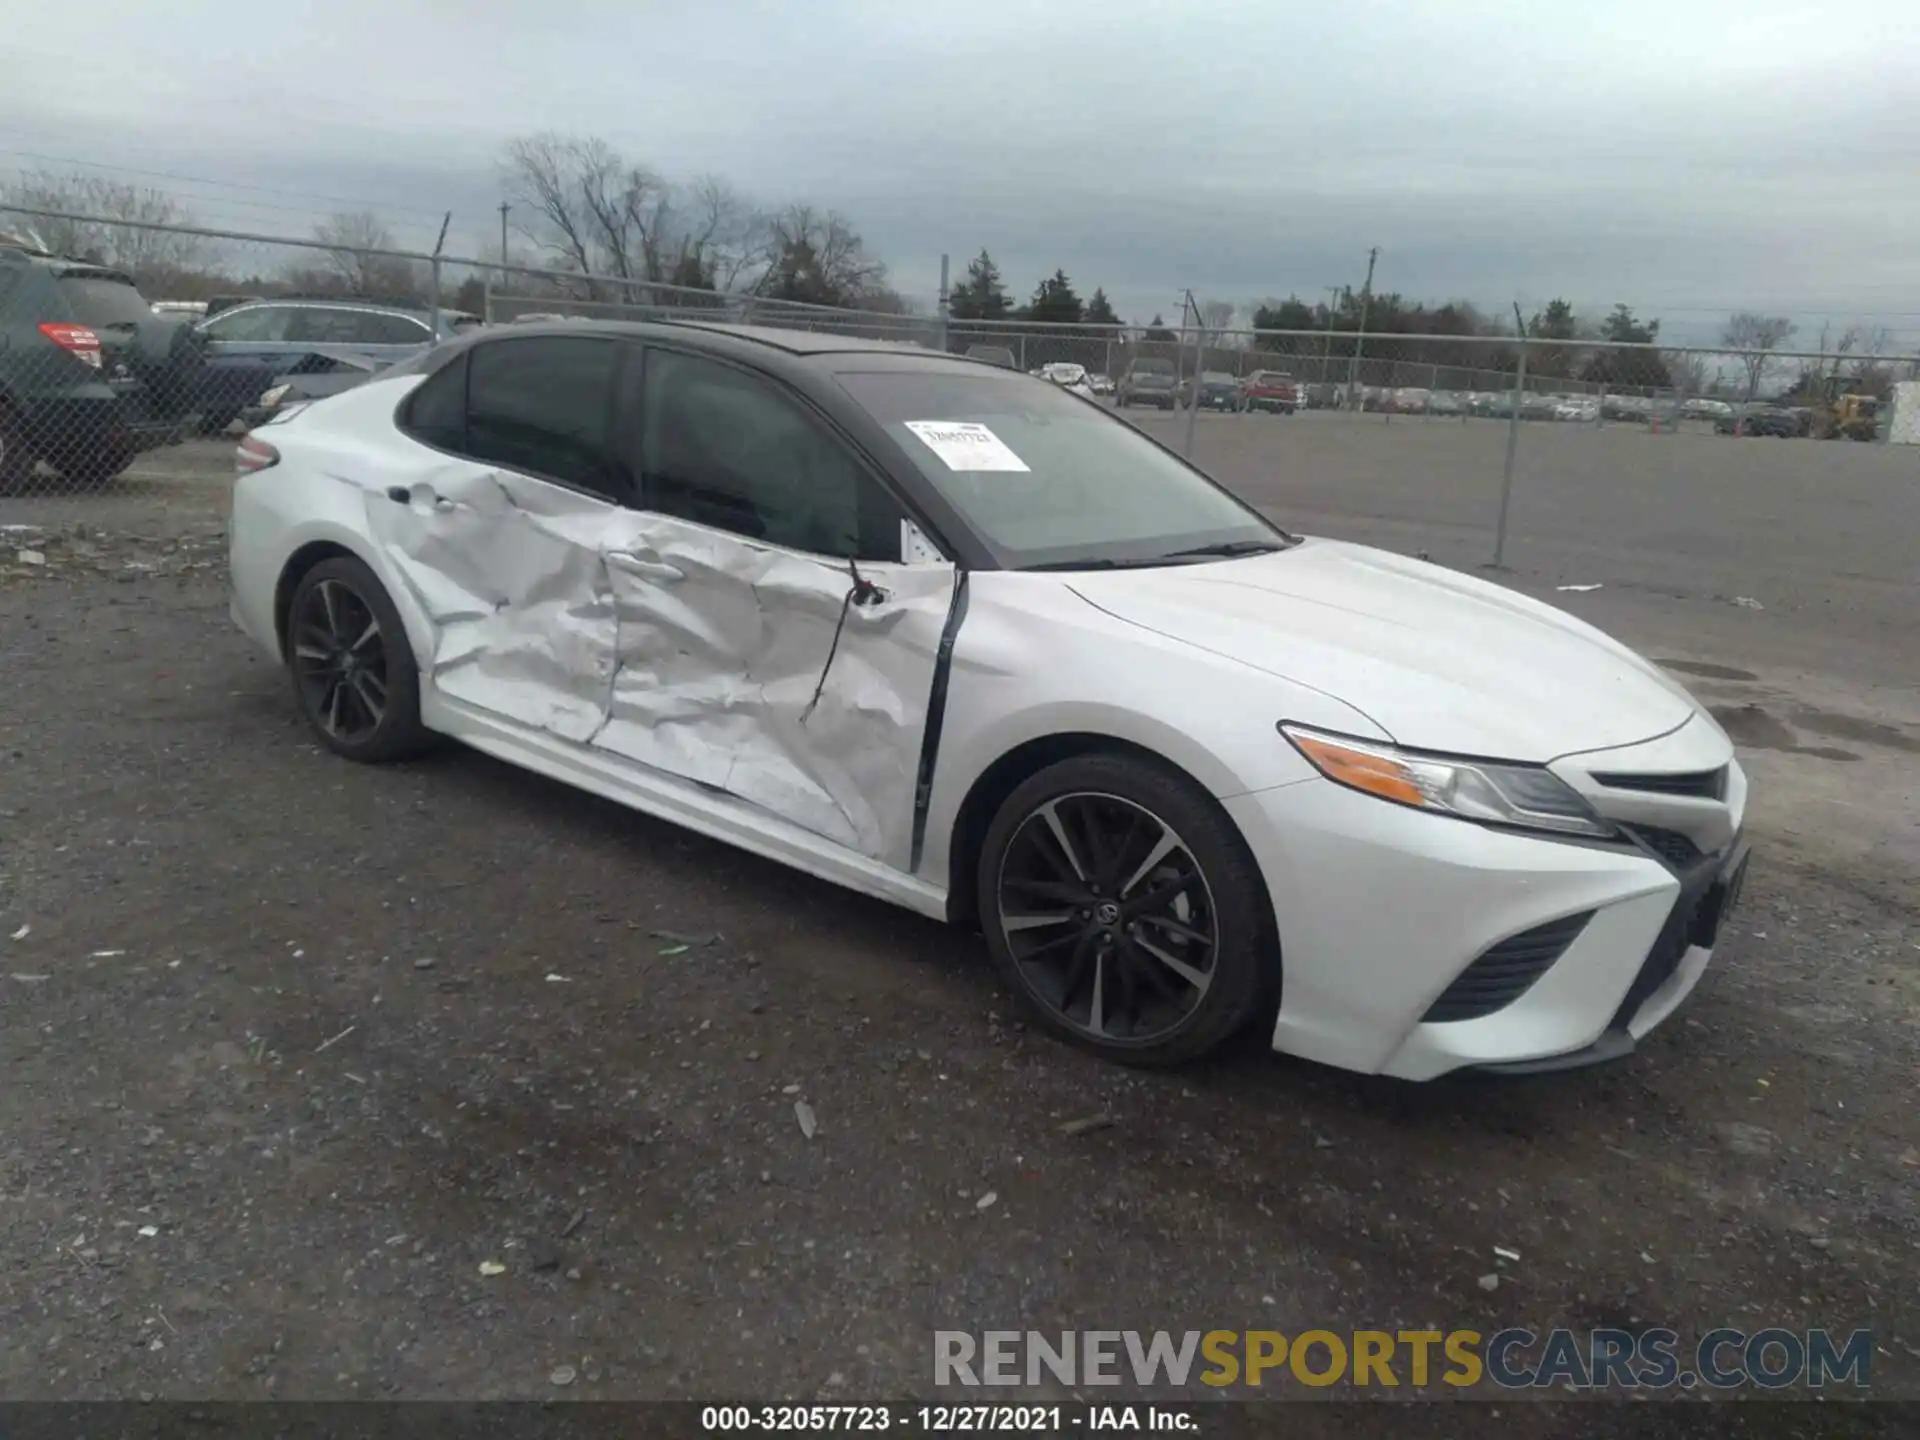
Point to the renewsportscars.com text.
(1510, 1359)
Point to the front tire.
(351, 665)
(1121, 904)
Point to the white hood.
(1440, 660)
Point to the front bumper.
(1381, 909)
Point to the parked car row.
(1763, 417)
(92, 373)
(1152, 381)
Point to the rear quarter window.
(436, 412)
(103, 300)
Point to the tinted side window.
(725, 448)
(437, 413)
(263, 323)
(541, 405)
(373, 328)
(317, 325)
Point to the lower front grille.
(1676, 849)
(1505, 971)
(1694, 919)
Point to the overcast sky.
(1687, 156)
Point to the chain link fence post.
(1513, 446)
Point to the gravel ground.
(438, 1080)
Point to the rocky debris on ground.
(81, 551)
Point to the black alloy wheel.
(352, 667)
(1127, 912)
(340, 658)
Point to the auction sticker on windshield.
(965, 445)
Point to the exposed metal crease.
(833, 649)
(618, 664)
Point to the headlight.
(274, 396)
(1524, 795)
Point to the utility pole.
(1326, 355)
(1360, 337)
(504, 207)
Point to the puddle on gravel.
(1754, 727)
(1706, 670)
(1852, 727)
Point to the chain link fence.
(119, 339)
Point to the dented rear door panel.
(768, 674)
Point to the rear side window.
(98, 300)
(259, 325)
(315, 325)
(541, 405)
(373, 328)
(437, 413)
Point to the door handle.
(401, 495)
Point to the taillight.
(76, 340)
(254, 454)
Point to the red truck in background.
(1271, 390)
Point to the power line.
(230, 202)
(202, 180)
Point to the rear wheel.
(1122, 905)
(16, 459)
(352, 667)
(93, 468)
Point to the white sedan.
(944, 635)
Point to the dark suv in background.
(89, 375)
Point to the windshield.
(1049, 479)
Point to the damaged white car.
(1070, 377)
(945, 635)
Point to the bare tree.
(593, 211)
(350, 238)
(1868, 372)
(1689, 371)
(121, 231)
(817, 256)
(1757, 336)
(538, 171)
(720, 235)
(1216, 315)
(1856, 357)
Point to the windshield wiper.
(1198, 553)
(1101, 564)
(1228, 548)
